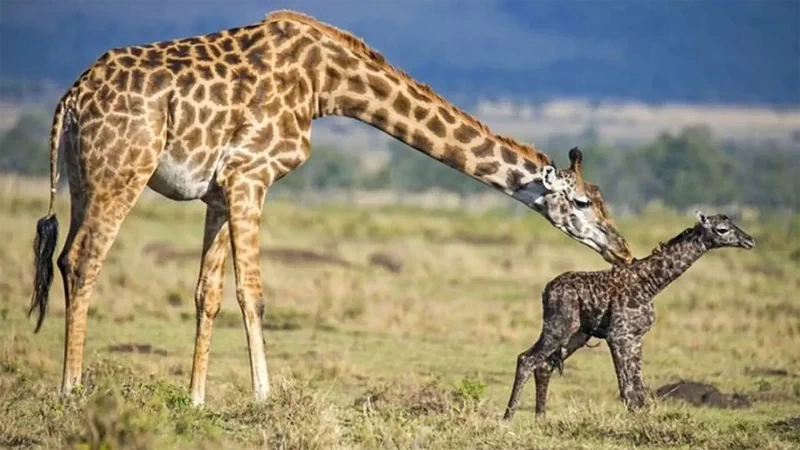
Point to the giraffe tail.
(44, 245)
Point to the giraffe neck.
(361, 85)
(669, 261)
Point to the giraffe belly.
(179, 180)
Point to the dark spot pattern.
(401, 131)
(449, 118)
(508, 155)
(465, 133)
(352, 107)
(420, 142)
(157, 82)
(486, 168)
(356, 84)
(529, 166)
(402, 105)
(313, 58)
(484, 149)
(381, 118)
(454, 157)
(379, 86)
(514, 179)
(420, 112)
(437, 127)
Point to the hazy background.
(685, 102)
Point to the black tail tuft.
(43, 248)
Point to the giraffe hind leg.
(543, 373)
(89, 240)
(99, 206)
(216, 246)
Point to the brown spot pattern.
(485, 149)
(379, 86)
(508, 156)
(437, 127)
(402, 105)
(420, 142)
(465, 133)
(449, 118)
(486, 168)
(454, 157)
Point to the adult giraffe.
(220, 118)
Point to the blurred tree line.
(682, 170)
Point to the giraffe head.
(719, 231)
(577, 208)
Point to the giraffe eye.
(583, 202)
(722, 229)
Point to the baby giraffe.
(616, 305)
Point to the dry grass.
(419, 353)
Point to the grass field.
(392, 327)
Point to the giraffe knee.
(530, 363)
(63, 263)
(251, 301)
(209, 309)
(208, 296)
(73, 272)
(524, 361)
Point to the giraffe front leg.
(639, 394)
(80, 263)
(626, 360)
(208, 295)
(244, 197)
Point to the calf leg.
(537, 360)
(542, 374)
(527, 362)
(639, 395)
(626, 351)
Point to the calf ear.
(701, 218)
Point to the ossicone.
(575, 160)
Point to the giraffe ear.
(549, 177)
(701, 218)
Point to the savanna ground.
(391, 327)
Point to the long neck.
(668, 263)
(365, 88)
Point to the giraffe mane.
(361, 48)
(683, 236)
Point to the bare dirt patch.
(164, 252)
(143, 349)
(702, 394)
(791, 424)
(386, 261)
(483, 239)
(789, 428)
(299, 256)
(769, 372)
